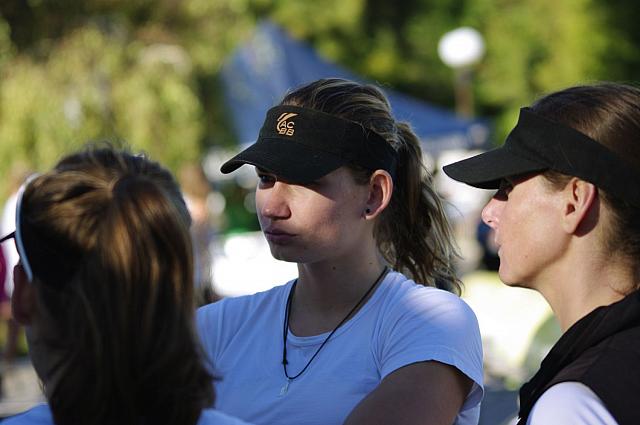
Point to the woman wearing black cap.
(342, 193)
(567, 222)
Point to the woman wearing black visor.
(343, 194)
(567, 223)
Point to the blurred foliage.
(529, 57)
(146, 71)
(533, 46)
(139, 73)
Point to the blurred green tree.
(91, 86)
(137, 72)
(534, 47)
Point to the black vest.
(601, 351)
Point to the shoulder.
(422, 323)
(401, 287)
(405, 298)
(570, 403)
(214, 417)
(38, 415)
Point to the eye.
(265, 178)
(506, 186)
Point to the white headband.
(17, 234)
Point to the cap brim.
(487, 169)
(289, 160)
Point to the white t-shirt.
(41, 415)
(570, 403)
(402, 323)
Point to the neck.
(327, 285)
(577, 289)
(47, 362)
(328, 290)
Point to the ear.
(380, 191)
(579, 198)
(23, 299)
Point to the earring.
(368, 211)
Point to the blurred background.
(188, 81)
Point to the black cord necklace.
(285, 329)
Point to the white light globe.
(461, 47)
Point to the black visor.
(301, 145)
(537, 144)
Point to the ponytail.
(120, 316)
(413, 233)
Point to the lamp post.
(460, 49)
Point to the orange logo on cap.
(286, 127)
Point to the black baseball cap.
(537, 144)
(301, 145)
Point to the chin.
(511, 281)
(295, 255)
(285, 258)
(505, 276)
(284, 254)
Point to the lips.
(278, 236)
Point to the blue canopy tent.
(261, 71)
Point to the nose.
(273, 202)
(491, 213)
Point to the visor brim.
(487, 169)
(294, 162)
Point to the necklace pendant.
(285, 388)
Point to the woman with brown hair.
(342, 192)
(105, 288)
(567, 222)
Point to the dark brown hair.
(107, 234)
(413, 233)
(609, 113)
